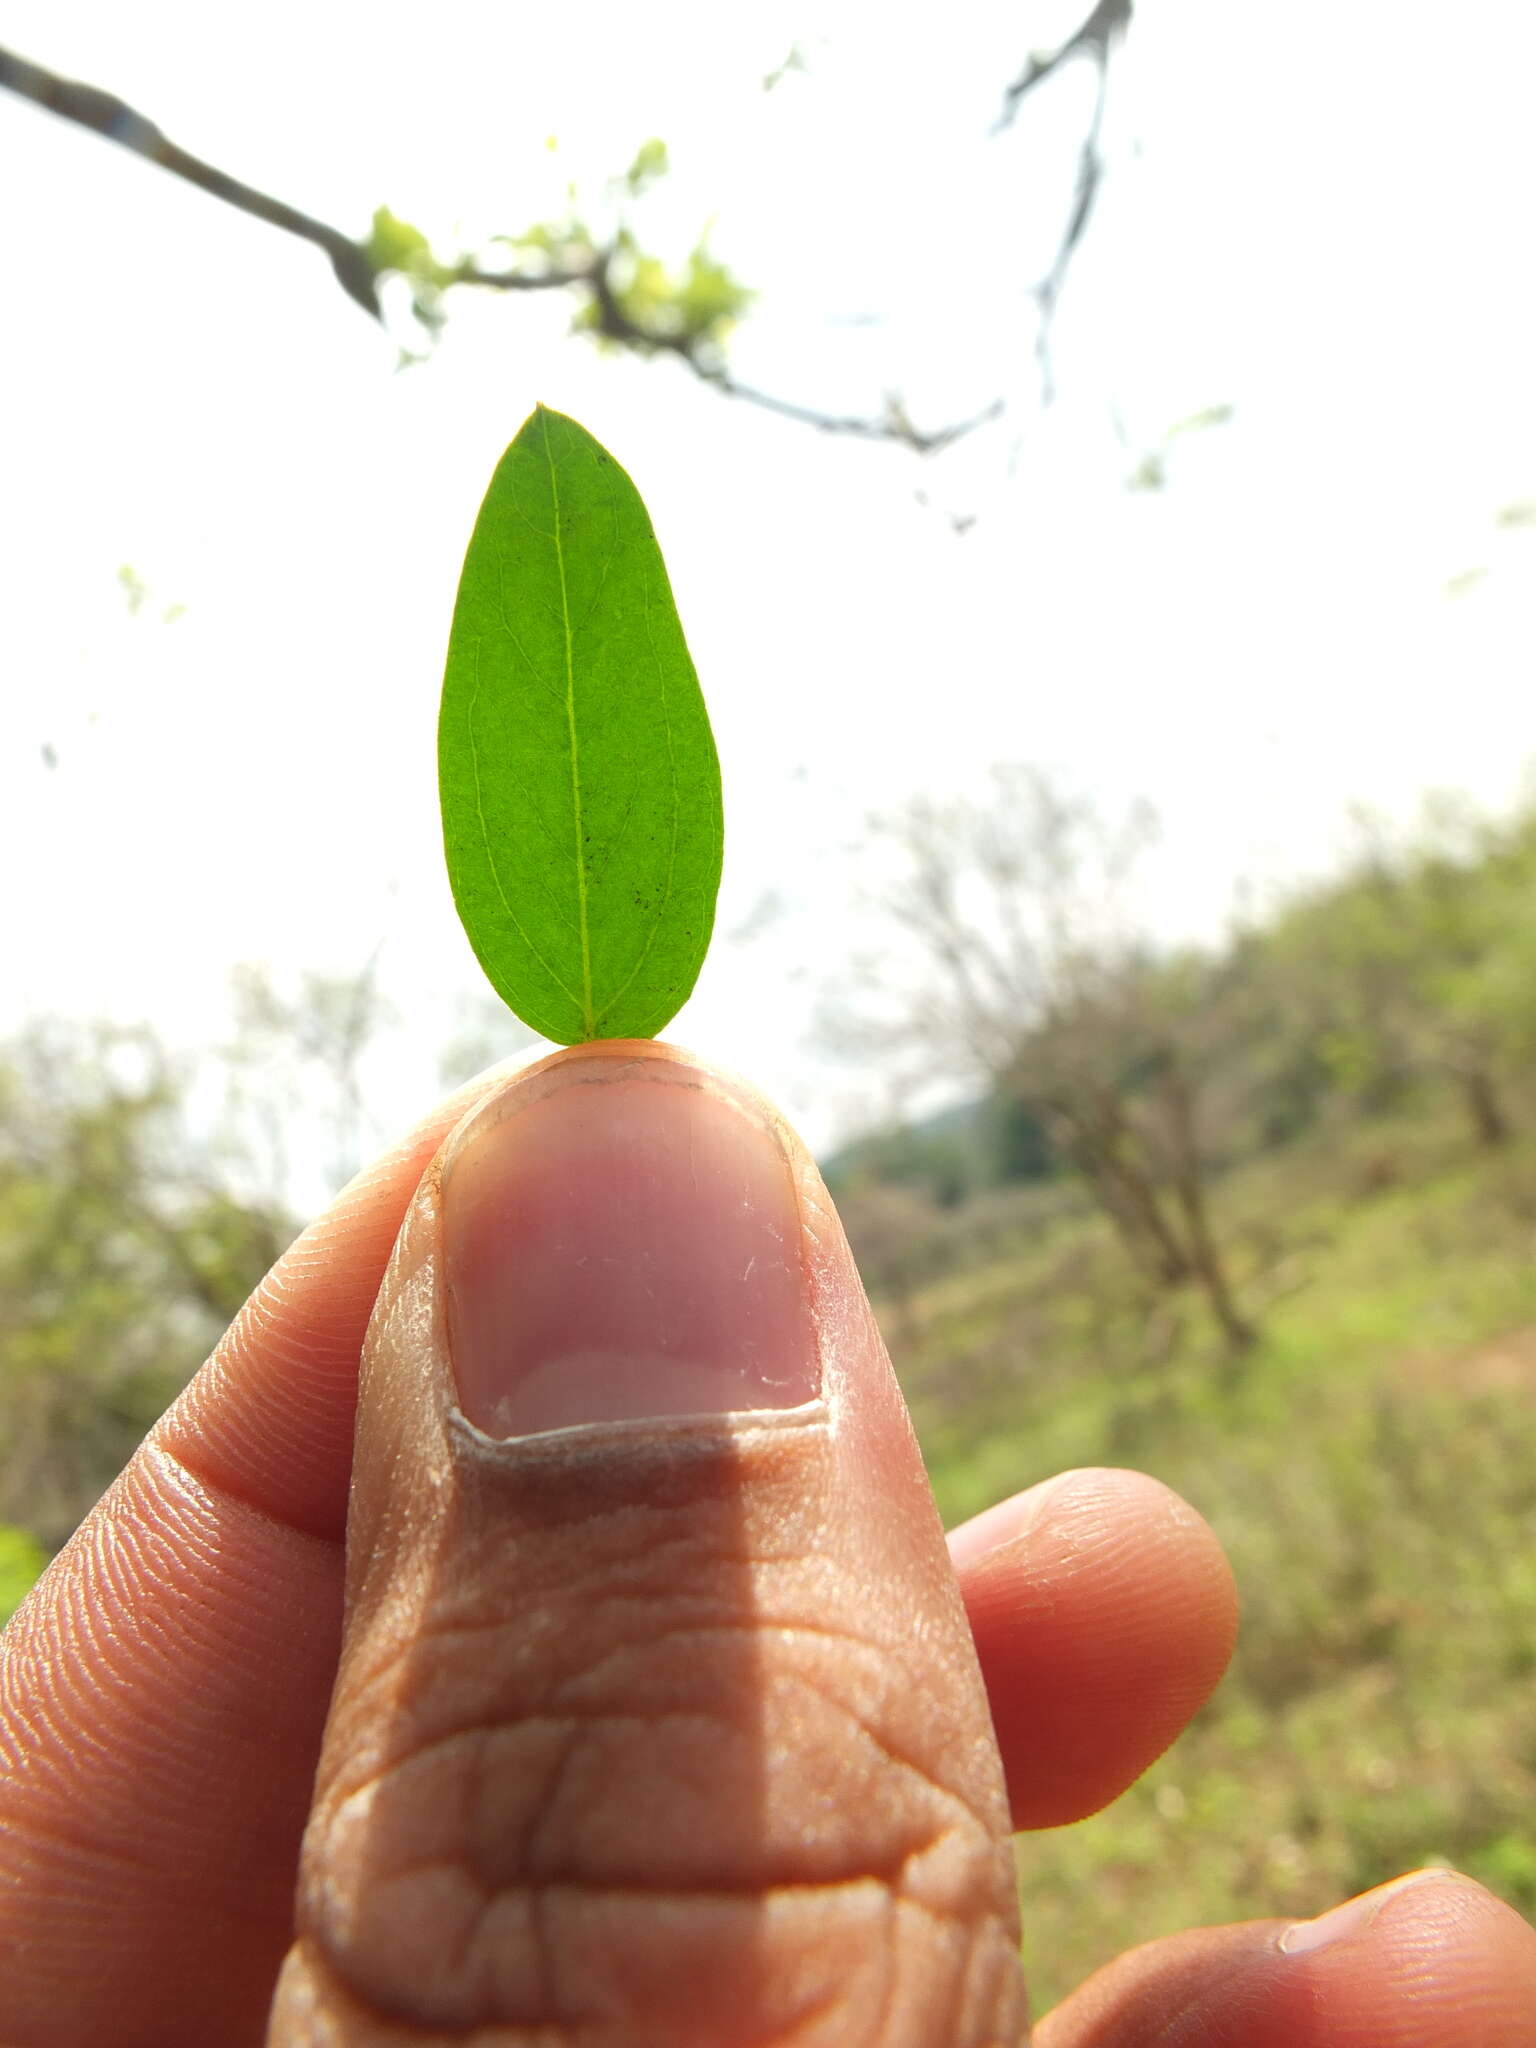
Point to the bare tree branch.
(1024, 963)
(893, 426)
(1095, 39)
(524, 280)
(1090, 175)
(358, 274)
(1105, 25)
(118, 122)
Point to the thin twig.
(894, 425)
(1105, 25)
(1090, 175)
(1094, 39)
(521, 280)
(358, 276)
(118, 122)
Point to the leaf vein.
(570, 720)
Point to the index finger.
(163, 1690)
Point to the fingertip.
(1431, 1960)
(1115, 1586)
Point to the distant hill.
(951, 1155)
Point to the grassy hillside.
(1371, 1467)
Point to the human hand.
(656, 1733)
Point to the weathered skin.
(651, 1735)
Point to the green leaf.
(580, 788)
(650, 164)
(394, 244)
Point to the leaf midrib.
(583, 931)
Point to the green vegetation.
(580, 788)
(1335, 1364)
(22, 1557)
(124, 1254)
(1014, 957)
(1370, 1465)
(626, 297)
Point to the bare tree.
(1026, 968)
(297, 1058)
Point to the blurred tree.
(141, 1200)
(299, 1051)
(624, 297)
(1024, 965)
(483, 1032)
(892, 1232)
(120, 1262)
(1422, 961)
(1021, 1143)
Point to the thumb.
(657, 1719)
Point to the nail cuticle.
(1355, 1917)
(677, 1434)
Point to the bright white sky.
(1319, 216)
